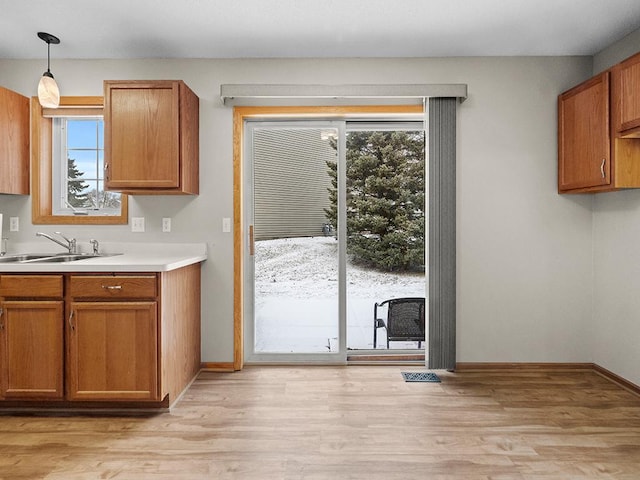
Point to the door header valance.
(283, 95)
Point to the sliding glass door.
(385, 203)
(293, 269)
(335, 215)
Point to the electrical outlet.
(14, 224)
(226, 225)
(166, 224)
(137, 224)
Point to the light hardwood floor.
(356, 422)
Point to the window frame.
(42, 169)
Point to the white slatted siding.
(290, 182)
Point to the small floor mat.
(420, 377)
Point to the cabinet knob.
(70, 321)
(604, 160)
(112, 287)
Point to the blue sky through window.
(85, 145)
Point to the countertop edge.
(116, 263)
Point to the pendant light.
(48, 92)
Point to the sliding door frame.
(240, 116)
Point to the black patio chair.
(404, 322)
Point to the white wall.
(616, 253)
(617, 52)
(524, 252)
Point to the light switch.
(137, 224)
(166, 224)
(226, 225)
(14, 224)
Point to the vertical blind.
(442, 233)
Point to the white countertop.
(130, 258)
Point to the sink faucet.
(95, 245)
(70, 245)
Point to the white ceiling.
(313, 28)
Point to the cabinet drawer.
(122, 286)
(42, 286)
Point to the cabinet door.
(626, 78)
(31, 334)
(583, 135)
(142, 135)
(14, 143)
(113, 351)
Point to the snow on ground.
(296, 288)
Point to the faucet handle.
(64, 236)
(71, 241)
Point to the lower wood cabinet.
(31, 337)
(31, 349)
(99, 339)
(113, 351)
(112, 337)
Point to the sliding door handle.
(252, 245)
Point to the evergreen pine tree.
(75, 188)
(385, 199)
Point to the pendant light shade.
(48, 92)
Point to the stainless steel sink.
(52, 257)
(23, 257)
(59, 258)
(70, 257)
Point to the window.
(68, 165)
(78, 166)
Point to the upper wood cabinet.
(592, 155)
(626, 97)
(14, 143)
(151, 131)
(583, 138)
